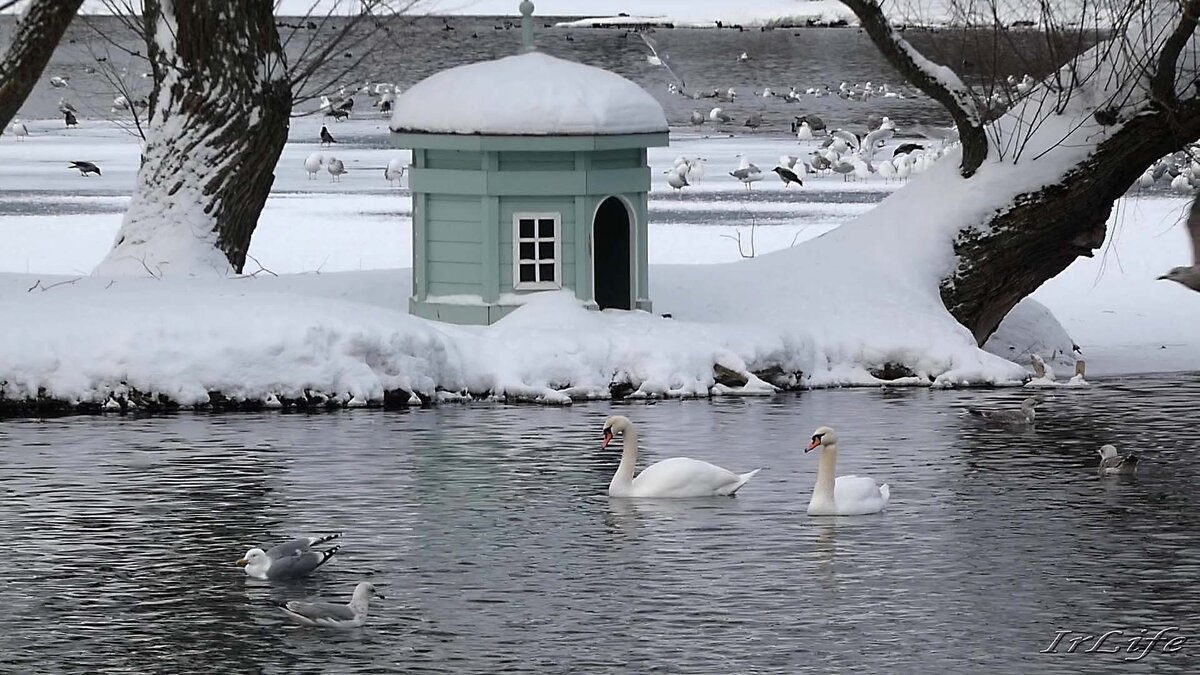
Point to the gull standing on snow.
(1190, 276)
(333, 615)
(1023, 416)
(19, 129)
(313, 164)
(292, 560)
(747, 172)
(718, 115)
(335, 168)
(1113, 462)
(394, 171)
(677, 178)
(59, 82)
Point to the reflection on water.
(489, 530)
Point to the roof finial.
(526, 10)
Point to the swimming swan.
(847, 495)
(678, 477)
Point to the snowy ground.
(84, 337)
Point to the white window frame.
(516, 251)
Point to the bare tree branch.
(950, 92)
(1162, 83)
(35, 37)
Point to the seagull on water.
(85, 168)
(326, 137)
(1113, 463)
(697, 118)
(292, 560)
(331, 614)
(59, 82)
(394, 170)
(1023, 416)
(754, 121)
(313, 164)
(1189, 276)
(336, 168)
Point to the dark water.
(489, 529)
(412, 49)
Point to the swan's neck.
(826, 475)
(624, 475)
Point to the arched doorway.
(611, 268)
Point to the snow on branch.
(35, 36)
(938, 82)
(1162, 83)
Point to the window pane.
(547, 270)
(546, 250)
(545, 228)
(527, 250)
(527, 272)
(525, 228)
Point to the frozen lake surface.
(489, 529)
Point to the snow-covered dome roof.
(532, 94)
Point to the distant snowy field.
(56, 225)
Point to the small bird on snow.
(19, 129)
(788, 176)
(394, 170)
(85, 168)
(70, 119)
(1114, 463)
(313, 164)
(326, 137)
(336, 168)
(1189, 276)
(331, 614)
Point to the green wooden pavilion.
(529, 173)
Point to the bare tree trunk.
(35, 37)
(1044, 232)
(1039, 233)
(219, 121)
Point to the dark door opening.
(610, 256)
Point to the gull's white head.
(255, 557)
(1107, 451)
(823, 436)
(367, 590)
(617, 424)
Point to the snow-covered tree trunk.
(35, 36)
(1053, 165)
(219, 121)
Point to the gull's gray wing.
(1193, 226)
(315, 611)
(291, 548)
(294, 566)
(299, 545)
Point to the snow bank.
(529, 94)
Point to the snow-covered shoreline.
(321, 333)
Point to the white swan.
(678, 477)
(847, 495)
